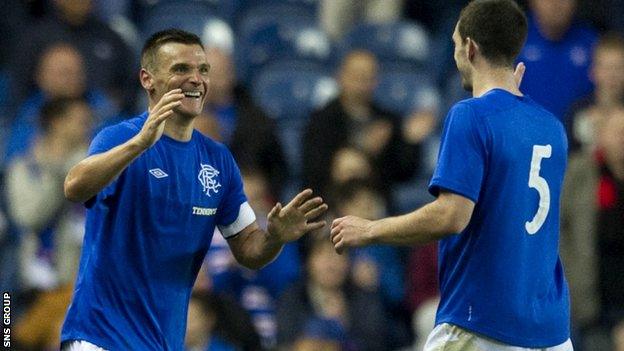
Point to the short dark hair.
(55, 109)
(498, 26)
(158, 39)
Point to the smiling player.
(155, 189)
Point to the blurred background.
(345, 96)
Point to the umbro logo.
(158, 173)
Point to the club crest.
(207, 177)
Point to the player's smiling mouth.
(193, 94)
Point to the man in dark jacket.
(352, 119)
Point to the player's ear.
(146, 80)
(471, 48)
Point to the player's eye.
(180, 69)
(204, 70)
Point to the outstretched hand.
(350, 231)
(290, 222)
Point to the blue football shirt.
(557, 72)
(146, 236)
(502, 277)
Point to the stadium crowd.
(346, 97)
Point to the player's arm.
(254, 248)
(91, 175)
(448, 214)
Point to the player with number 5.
(497, 184)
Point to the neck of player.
(488, 78)
(179, 127)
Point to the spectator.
(109, 63)
(607, 74)
(557, 55)
(592, 228)
(338, 16)
(60, 74)
(327, 293)
(353, 119)
(50, 226)
(240, 124)
(256, 291)
(216, 323)
(377, 269)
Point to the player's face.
(186, 67)
(461, 60)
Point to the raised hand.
(290, 222)
(155, 124)
(349, 231)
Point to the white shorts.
(80, 345)
(448, 337)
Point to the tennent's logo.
(207, 177)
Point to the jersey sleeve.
(462, 156)
(105, 140)
(234, 213)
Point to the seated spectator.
(51, 227)
(240, 124)
(327, 293)
(607, 74)
(216, 323)
(377, 268)
(109, 64)
(353, 119)
(257, 291)
(320, 334)
(60, 74)
(557, 55)
(592, 228)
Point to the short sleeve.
(234, 214)
(462, 156)
(107, 139)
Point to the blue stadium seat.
(402, 91)
(236, 11)
(289, 93)
(290, 40)
(188, 15)
(403, 41)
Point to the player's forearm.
(92, 174)
(429, 223)
(258, 249)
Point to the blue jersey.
(146, 236)
(557, 73)
(501, 276)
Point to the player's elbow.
(72, 190)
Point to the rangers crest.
(207, 178)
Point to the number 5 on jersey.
(540, 184)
